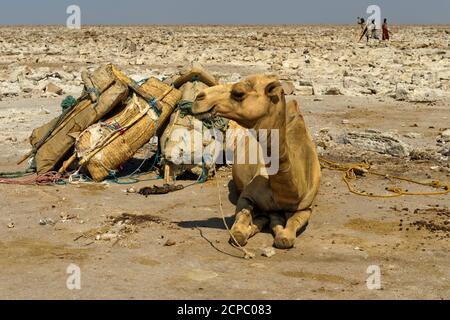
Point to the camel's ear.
(293, 108)
(274, 90)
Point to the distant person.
(372, 31)
(385, 30)
(363, 25)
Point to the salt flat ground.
(346, 234)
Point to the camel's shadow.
(211, 223)
(217, 223)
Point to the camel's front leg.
(246, 224)
(285, 238)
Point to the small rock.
(268, 252)
(106, 236)
(43, 111)
(401, 94)
(46, 221)
(67, 216)
(249, 255)
(345, 121)
(412, 135)
(170, 243)
(445, 134)
(53, 88)
(131, 190)
(305, 91)
(288, 87)
(10, 225)
(333, 91)
(384, 143)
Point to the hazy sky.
(222, 11)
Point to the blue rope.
(204, 175)
(131, 176)
(97, 94)
(154, 104)
(141, 82)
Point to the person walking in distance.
(385, 30)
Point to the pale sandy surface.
(346, 233)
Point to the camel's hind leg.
(285, 239)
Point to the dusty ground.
(346, 234)
(407, 237)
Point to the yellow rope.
(351, 171)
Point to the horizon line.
(214, 24)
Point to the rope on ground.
(44, 179)
(351, 171)
(16, 174)
(247, 254)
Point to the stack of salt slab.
(103, 147)
(53, 141)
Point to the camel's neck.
(283, 181)
(275, 124)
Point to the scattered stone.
(443, 142)
(10, 225)
(412, 135)
(424, 96)
(170, 243)
(333, 91)
(445, 135)
(53, 88)
(43, 111)
(131, 190)
(421, 154)
(378, 142)
(401, 94)
(46, 221)
(305, 91)
(106, 236)
(268, 252)
(288, 87)
(66, 216)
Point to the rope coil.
(352, 171)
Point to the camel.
(283, 199)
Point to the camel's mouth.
(205, 115)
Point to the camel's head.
(247, 102)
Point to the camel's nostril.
(200, 96)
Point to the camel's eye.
(237, 95)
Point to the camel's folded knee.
(240, 234)
(284, 239)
